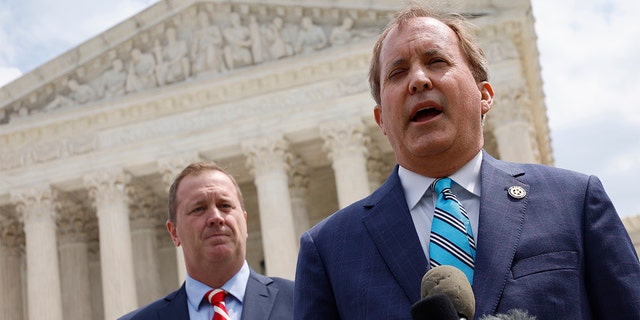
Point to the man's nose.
(215, 217)
(419, 81)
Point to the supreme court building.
(275, 91)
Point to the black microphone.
(436, 306)
(446, 295)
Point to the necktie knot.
(215, 296)
(216, 299)
(441, 184)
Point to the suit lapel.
(177, 307)
(391, 229)
(499, 230)
(258, 299)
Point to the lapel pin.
(517, 192)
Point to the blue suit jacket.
(561, 252)
(265, 298)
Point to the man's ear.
(377, 114)
(486, 92)
(173, 233)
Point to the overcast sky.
(589, 53)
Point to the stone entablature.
(195, 40)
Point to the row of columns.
(280, 177)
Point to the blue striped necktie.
(451, 241)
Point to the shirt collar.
(415, 185)
(236, 286)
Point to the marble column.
(512, 127)
(299, 191)
(95, 274)
(36, 209)
(11, 249)
(268, 159)
(145, 218)
(74, 259)
(107, 189)
(347, 149)
(169, 168)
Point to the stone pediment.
(178, 41)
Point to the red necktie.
(216, 298)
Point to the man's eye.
(437, 60)
(395, 73)
(198, 209)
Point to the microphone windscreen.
(452, 282)
(434, 307)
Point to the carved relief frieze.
(203, 40)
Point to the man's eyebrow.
(394, 64)
(432, 52)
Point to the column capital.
(267, 154)
(73, 217)
(145, 207)
(11, 233)
(34, 204)
(298, 176)
(105, 186)
(170, 167)
(344, 137)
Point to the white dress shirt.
(421, 199)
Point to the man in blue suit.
(549, 241)
(207, 217)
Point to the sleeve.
(313, 293)
(612, 266)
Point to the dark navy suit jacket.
(561, 252)
(265, 298)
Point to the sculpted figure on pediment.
(341, 34)
(237, 50)
(112, 82)
(78, 94)
(172, 61)
(310, 37)
(278, 46)
(206, 47)
(141, 74)
(256, 40)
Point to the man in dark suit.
(207, 217)
(548, 241)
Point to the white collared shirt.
(200, 309)
(421, 199)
